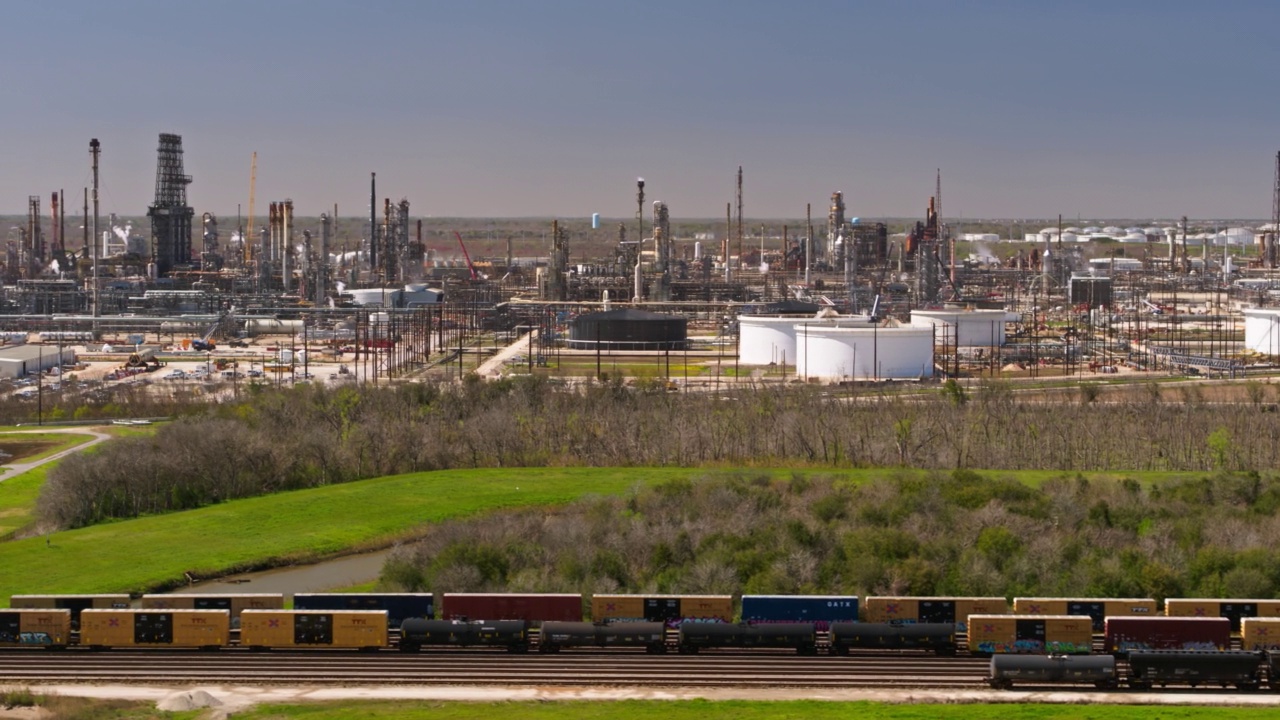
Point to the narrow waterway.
(318, 577)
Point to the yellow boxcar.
(1097, 608)
(1030, 634)
(671, 609)
(234, 603)
(363, 629)
(1260, 634)
(74, 603)
(38, 627)
(1231, 609)
(955, 610)
(147, 628)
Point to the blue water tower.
(595, 221)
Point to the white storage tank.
(268, 326)
(771, 339)
(1262, 331)
(863, 353)
(965, 328)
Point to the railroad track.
(709, 669)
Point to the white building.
(22, 360)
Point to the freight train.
(1031, 640)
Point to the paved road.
(18, 468)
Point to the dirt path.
(20, 467)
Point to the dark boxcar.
(1162, 667)
(510, 634)
(1099, 670)
(938, 637)
(1233, 610)
(556, 635)
(800, 636)
(822, 610)
(1127, 634)
(234, 603)
(74, 603)
(35, 627)
(534, 608)
(399, 606)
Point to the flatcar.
(1240, 668)
(399, 606)
(207, 629)
(822, 610)
(1030, 634)
(357, 629)
(1096, 670)
(938, 637)
(1124, 635)
(74, 603)
(233, 603)
(956, 610)
(801, 637)
(416, 633)
(670, 609)
(1233, 610)
(1096, 608)
(554, 636)
(35, 628)
(532, 607)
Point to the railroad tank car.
(938, 637)
(1260, 634)
(900, 610)
(1097, 608)
(155, 628)
(674, 610)
(415, 633)
(1097, 670)
(533, 607)
(822, 610)
(1124, 635)
(1030, 634)
(1190, 667)
(399, 606)
(802, 637)
(1233, 610)
(38, 628)
(360, 629)
(74, 603)
(554, 636)
(233, 603)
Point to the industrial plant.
(276, 295)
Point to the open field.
(18, 500)
(294, 526)
(306, 525)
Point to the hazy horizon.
(503, 109)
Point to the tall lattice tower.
(170, 215)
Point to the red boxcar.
(504, 606)
(1166, 633)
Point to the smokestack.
(94, 149)
(373, 222)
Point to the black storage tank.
(629, 330)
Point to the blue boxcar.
(821, 610)
(398, 605)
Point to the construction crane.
(248, 233)
(467, 255)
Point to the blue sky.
(494, 108)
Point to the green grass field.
(136, 555)
(741, 710)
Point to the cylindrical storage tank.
(628, 330)
(965, 328)
(846, 353)
(595, 221)
(771, 339)
(271, 326)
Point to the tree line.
(309, 436)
